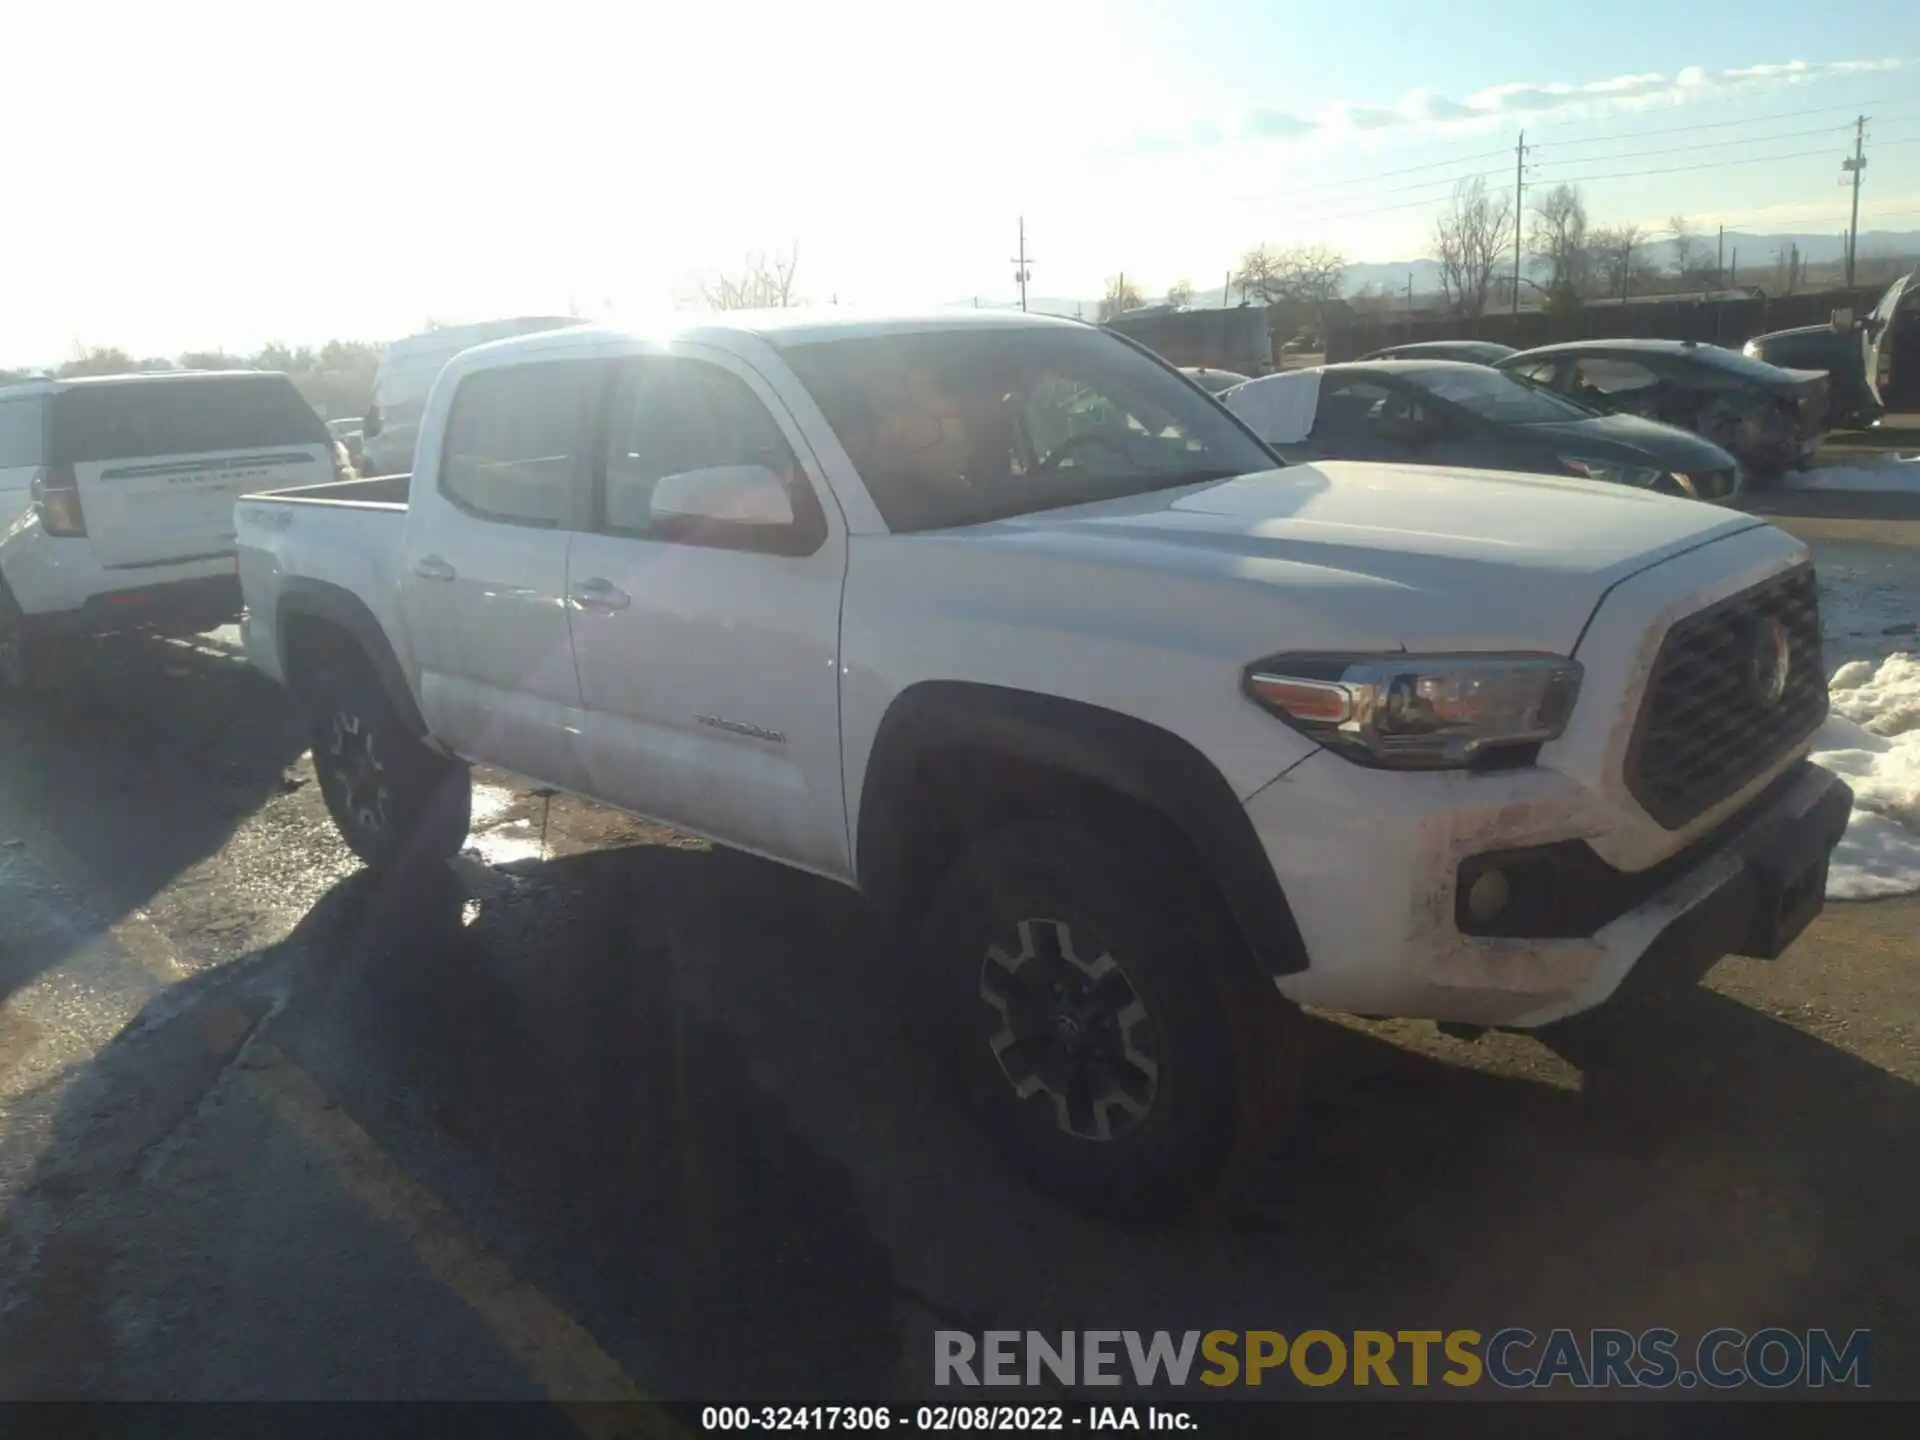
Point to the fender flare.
(1133, 758)
(306, 599)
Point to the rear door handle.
(432, 567)
(599, 594)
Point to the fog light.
(1487, 896)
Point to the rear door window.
(23, 432)
(518, 441)
(182, 417)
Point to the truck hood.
(1371, 555)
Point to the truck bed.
(388, 492)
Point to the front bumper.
(1371, 862)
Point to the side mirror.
(1842, 320)
(370, 426)
(720, 495)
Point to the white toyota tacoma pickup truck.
(1009, 625)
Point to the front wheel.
(395, 802)
(1098, 1012)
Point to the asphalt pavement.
(626, 1116)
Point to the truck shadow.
(687, 1064)
(136, 765)
(668, 1087)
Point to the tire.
(396, 803)
(1122, 1072)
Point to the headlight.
(1419, 712)
(1751, 350)
(1614, 471)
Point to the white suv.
(116, 499)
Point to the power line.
(1684, 169)
(1704, 145)
(1377, 175)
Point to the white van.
(116, 499)
(406, 375)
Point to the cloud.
(1428, 110)
(1263, 123)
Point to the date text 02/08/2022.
(937, 1419)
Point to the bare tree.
(1614, 249)
(1122, 295)
(1686, 251)
(1307, 275)
(760, 284)
(1557, 239)
(1256, 276)
(1180, 293)
(1471, 238)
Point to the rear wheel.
(396, 802)
(1101, 1018)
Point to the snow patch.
(1896, 474)
(1872, 740)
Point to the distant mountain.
(1754, 251)
(1392, 276)
(1758, 254)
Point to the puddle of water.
(1868, 595)
(504, 844)
(490, 802)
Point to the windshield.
(956, 427)
(1497, 396)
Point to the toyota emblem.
(1769, 662)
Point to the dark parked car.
(1444, 412)
(1214, 381)
(1874, 363)
(1473, 352)
(1768, 418)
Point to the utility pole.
(1226, 291)
(1720, 259)
(1519, 191)
(1021, 262)
(1855, 166)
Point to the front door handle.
(432, 567)
(599, 594)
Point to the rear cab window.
(182, 417)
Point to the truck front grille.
(1718, 711)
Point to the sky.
(206, 174)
